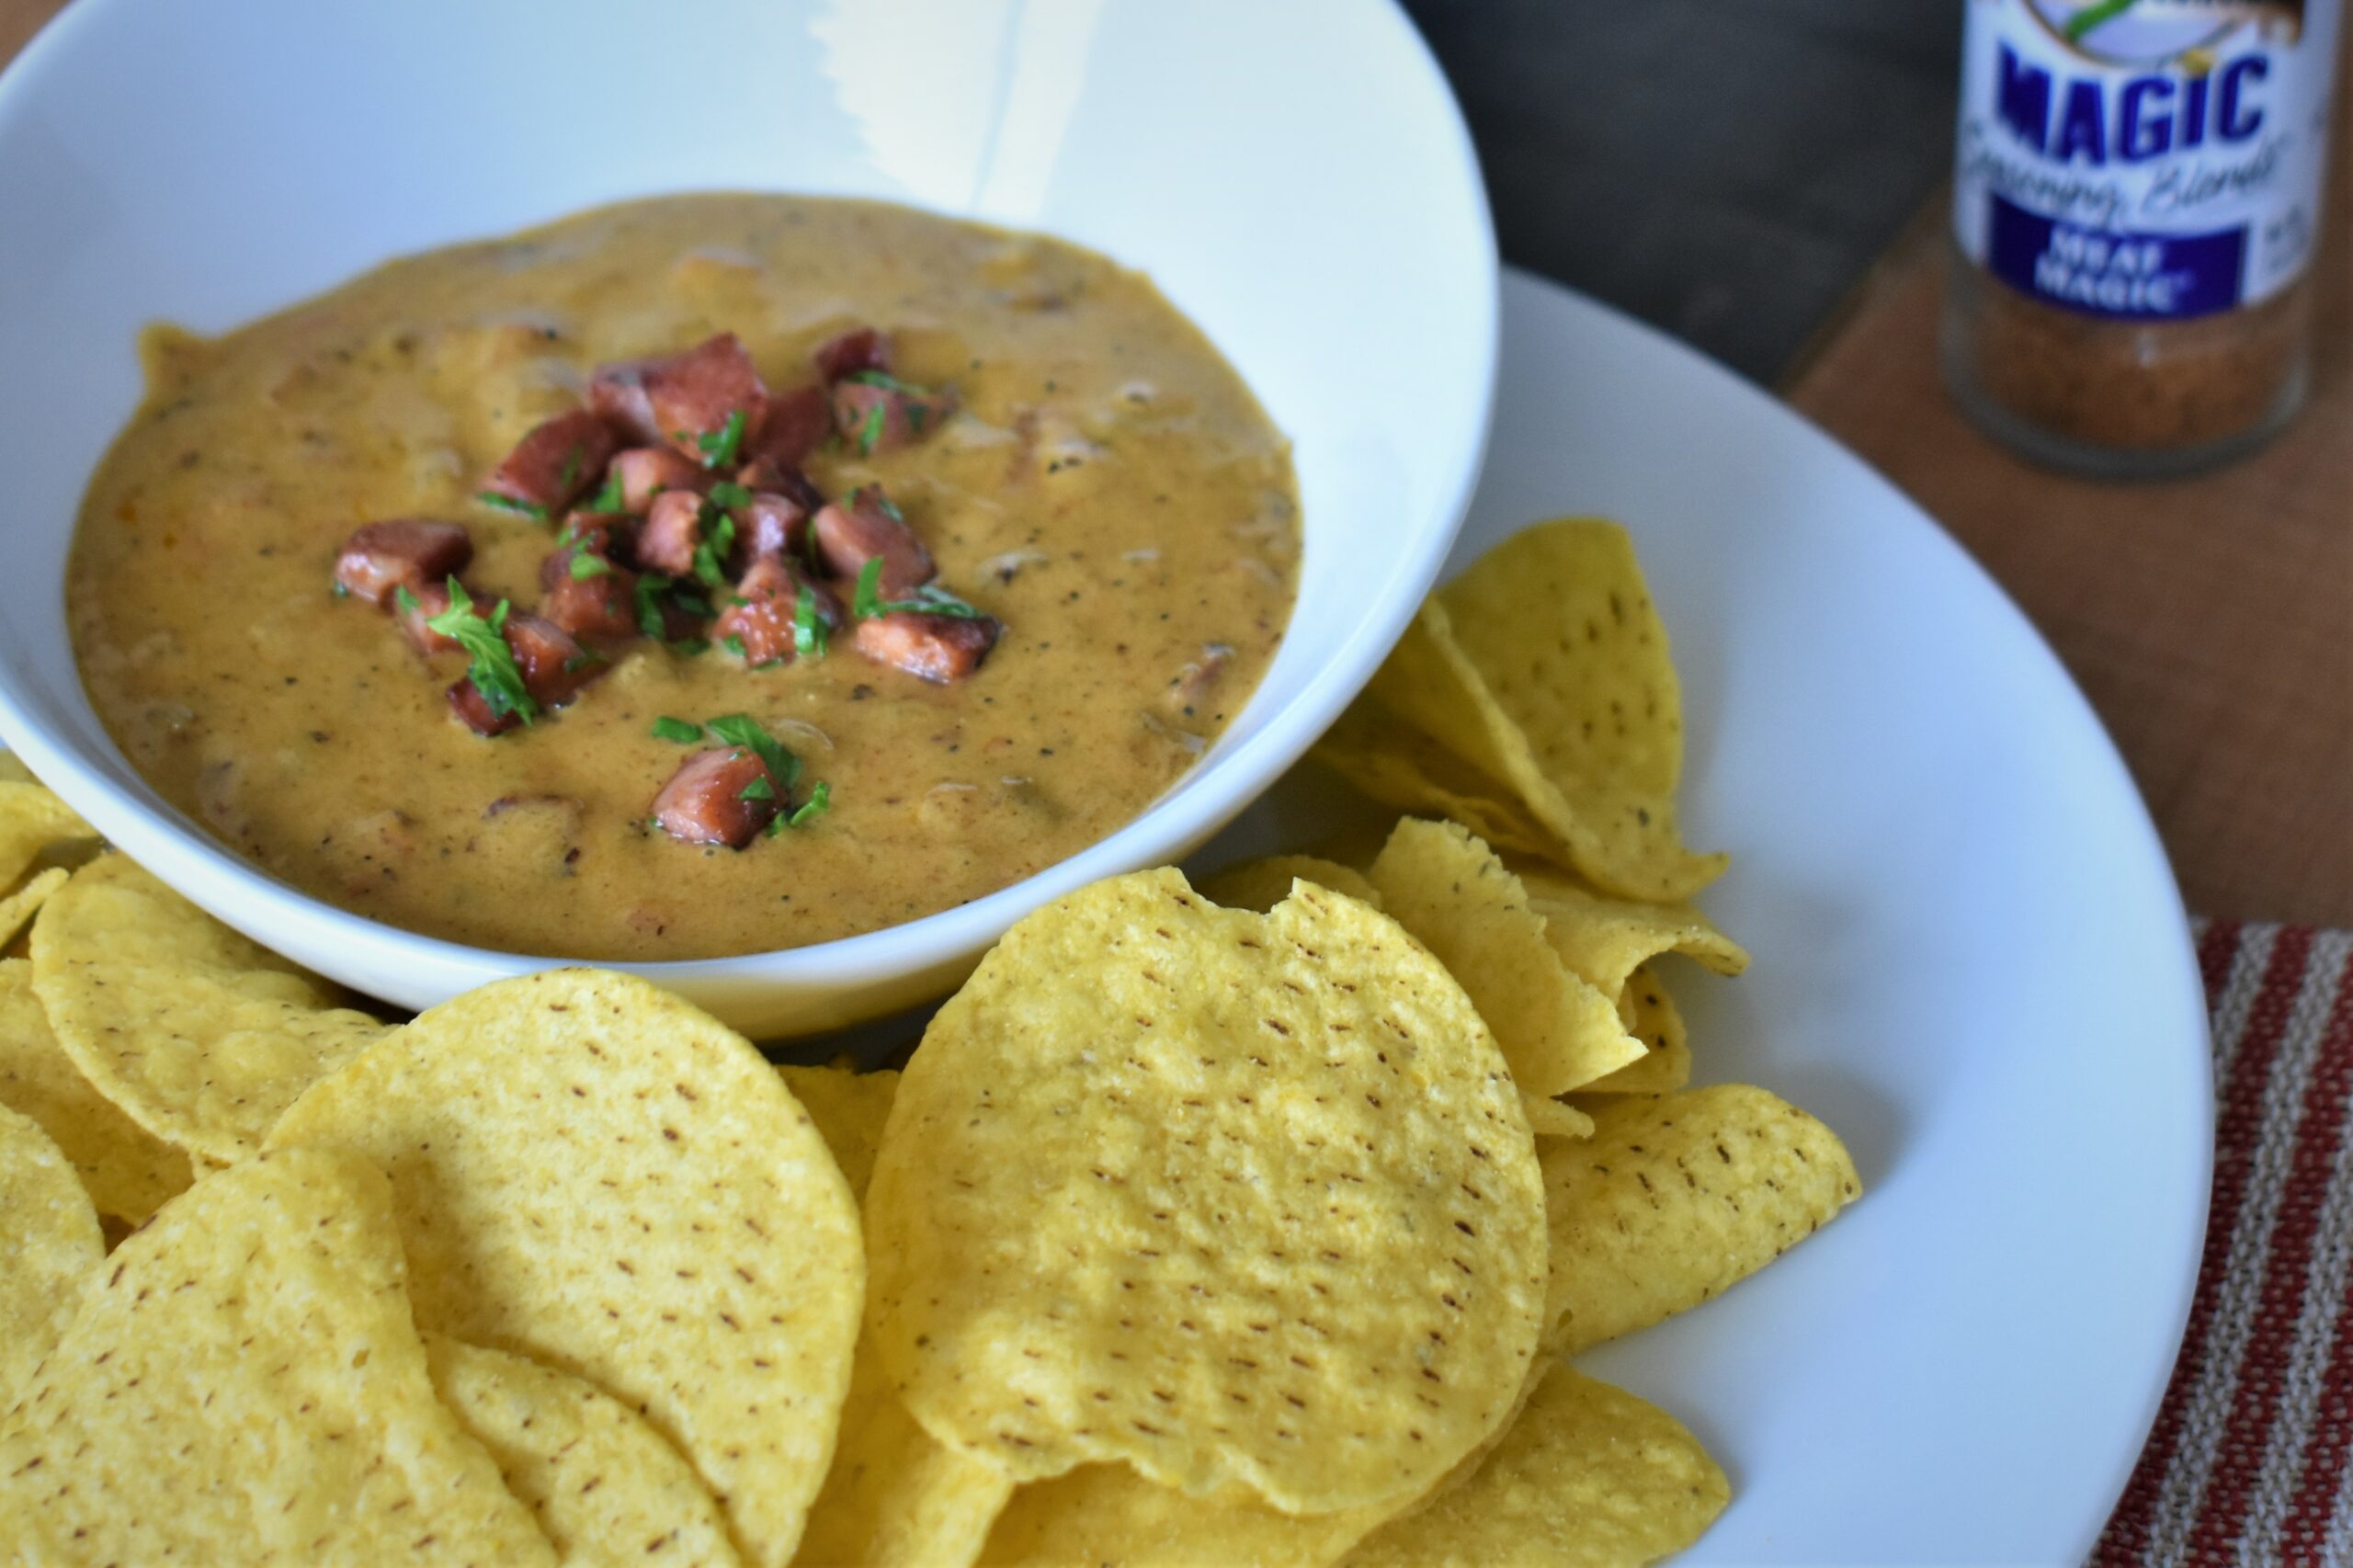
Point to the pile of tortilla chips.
(1233, 1225)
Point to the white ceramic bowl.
(1295, 177)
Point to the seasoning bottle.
(2136, 208)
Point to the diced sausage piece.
(772, 526)
(553, 665)
(763, 618)
(646, 472)
(939, 648)
(863, 524)
(473, 709)
(874, 418)
(617, 395)
(778, 478)
(704, 803)
(860, 349)
(602, 605)
(791, 425)
(557, 462)
(380, 557)
(673, 528)
(425, 602)
(611, 537)
(693, 394)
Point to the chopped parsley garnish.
(721, 447)
(692, 647)
(729, 494)
(531, 510)
(808, 631)
(571, 473)
(871, 430)
(734, 646)
(757, 789)
(584, 564)
(649, 605)
(679, 730)
(340, 590)
(929, 599)
(609, 499)
(743, 729)
(403, 600)
(877, 379)
(717, 539)
(492, 669)
(816, 806)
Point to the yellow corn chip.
(1265, 883)
(1588, 1477)
(1555, 1118)
(1459, 901)
(243, 1380)
(19, 908)
(50, 1246)
(1252, 1205)
(603, 1485)
(590, 1171)
(1389, 760)
(1606, 939)
(849, 1108)
(13, 771)
(1545, 669)
(896, 1494)
(127, 1170)
(1651, 1016)
(1674, 1199)
(33, 821)
(201, 1036)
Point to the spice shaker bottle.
(2136, 208)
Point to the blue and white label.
(2151, 160)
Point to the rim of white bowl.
(148, 828)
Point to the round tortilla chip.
(1261, 884)
(201, 1036)
(1252, 1204)
(896, 1494)
(49, 1246)
(591, 1172)
(1677, 1198)
(18, 908)
(849, 1108)
(1545, 668)
(243, 1384)
(603, 1485)
(33, 822)
(1588, 1476)
(129, 1171)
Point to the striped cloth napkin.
(2251, 1460)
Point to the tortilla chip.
(243, 1380)
(1588, 1477)
(896, 1494)
(1650, 1017)
(1676, 1198)
(18, 908)
(50, 1246)
(1606, 939)
(1252, 1206)
(1387, 759)
(201, 1036)
(127, 1170)
(590, 1171)
(1259, 885)
(602, 1484)
(1106, 1513)
(1545, 669)
(33, 822)
(13, 771)
(1457, 899)
(849, 1108)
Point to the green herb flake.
(585, 566)
(743, 729)
(492, 667)
(403, 600)
(871, 431)
(690, 647)
(342, 591)
(730, 496)
(722, 447)
(865, 601)
(809, 629)
(820, 800)
(570, 475)
(610, 498)
(649, 605)
(679, 730)
(531, 510)
(757, 789)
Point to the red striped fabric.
(2251, 1459)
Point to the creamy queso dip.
(1107, 489)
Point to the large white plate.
(1970, 960)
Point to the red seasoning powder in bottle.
(2136, 206)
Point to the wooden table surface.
(2210, 620)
